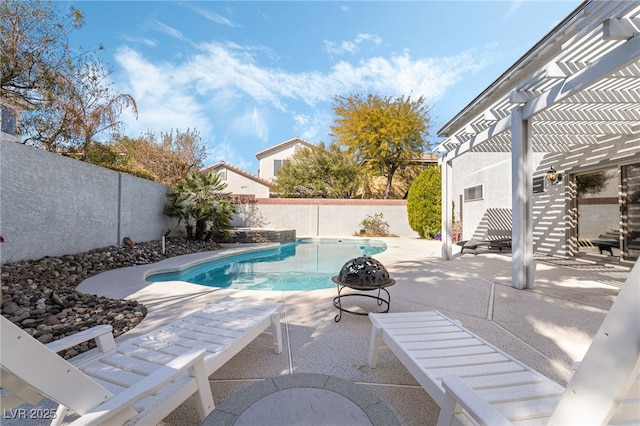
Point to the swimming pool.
(307, 264)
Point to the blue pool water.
(307, 264)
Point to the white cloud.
(403, 75)
(230, 152)
(163, 103)
(214, 17)
(311, 127)
(170, 31)
(225, 75)
(253, 123)
(142, 40)
(226, 94)
(513, 8)
(352, 47)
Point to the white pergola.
(580, 84)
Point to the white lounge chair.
(142, 380)
(474, 382)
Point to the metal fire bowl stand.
(380, 300)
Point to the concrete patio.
(548, 328)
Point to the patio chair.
(141, 380)
(495, 239)
(474, 382)
(31, 371)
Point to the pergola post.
(447, 209)
(522, 267)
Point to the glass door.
(597, 205)
(607, 212)
(630, 212)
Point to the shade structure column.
(522, 267)
(446, 169)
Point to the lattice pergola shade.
(577, 88)
(574, 58)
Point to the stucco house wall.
(554, 218)
(492, 170)
(241, 182)
(10, 116)
(283, 151)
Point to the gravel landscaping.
(40, 295)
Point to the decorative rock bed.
(40, 295)
(258, 235)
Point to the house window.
(473, 193)
(277, 165)
(9, 120)
(538, 184)
(222, 174)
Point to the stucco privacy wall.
(52, 205)
(322, 217)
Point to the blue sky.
(250, 75)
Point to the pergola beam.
(620, 28)
(628, 115)
(606, 65)
(581, 127)
(493, 130)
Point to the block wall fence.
(51, 205)
(316, 217)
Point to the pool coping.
(131, 279)
(173, 273)
(230, 410)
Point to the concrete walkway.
(547, 328)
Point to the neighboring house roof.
(238, 170)
(426, 158)
(284, 145)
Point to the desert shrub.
(375, 225)
(424, 206)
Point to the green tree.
(110, 157)
(33, 48)
(77, 107)
(424, 207)
(319, 172)
(65, 90)
(384, 134)
(200, 202)
(93, 104)
(168, 156)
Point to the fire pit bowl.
(362, 273)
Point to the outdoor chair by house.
(143, 379)
(495, 239)
(474, 382)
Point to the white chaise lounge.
(142, 380)
(474, 382)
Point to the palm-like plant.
(200, 202)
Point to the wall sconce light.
(553, 176)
